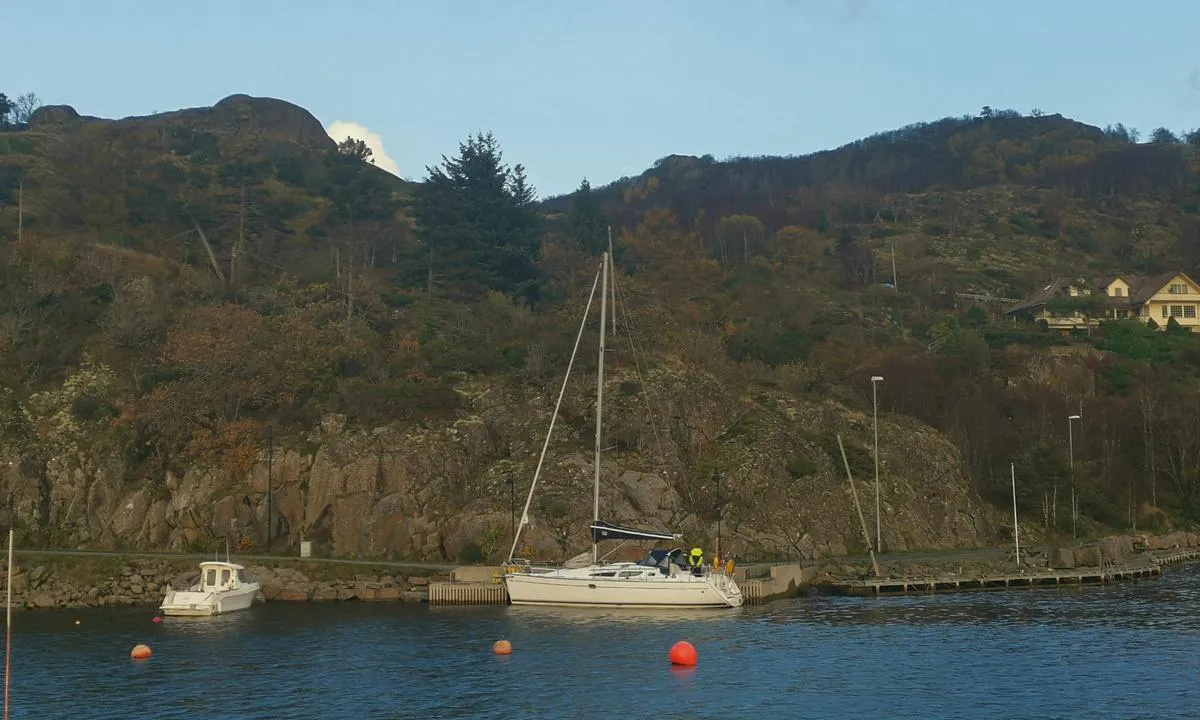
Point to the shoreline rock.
(74, 583)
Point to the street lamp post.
(875, 380)
(1071, 464)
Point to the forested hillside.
(183, 292)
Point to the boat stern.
(185, 603)
(727, 589)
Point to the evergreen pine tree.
(589, 226)
(478, 224)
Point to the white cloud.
(339, 130)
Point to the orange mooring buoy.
(502, 647)
(683, 653)
(140, 652)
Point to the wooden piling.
(467, 593)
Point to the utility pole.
(875, 380)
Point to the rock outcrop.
(260, 118)
(439, 491)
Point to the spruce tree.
(478, 224)
(589, 226)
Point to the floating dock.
(907, 586)
(1040, 578)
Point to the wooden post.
(895, 280)
(20, 210)
(861, 520)
(1016, 536)
(8, 625)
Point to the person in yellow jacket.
(696, 560)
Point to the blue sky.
(603, 89)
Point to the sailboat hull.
(585, 588)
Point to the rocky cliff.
(439, 490)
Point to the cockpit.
(665, 559)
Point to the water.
(1120, 651)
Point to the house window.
(1118, 292)
(1178, 289)
(1176, 311)
(1166, 311)
(1189, 311)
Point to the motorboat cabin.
(222, 587)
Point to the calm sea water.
(1121, 651)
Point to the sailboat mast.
(600, 395)
(614, 285)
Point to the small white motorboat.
(222, 588)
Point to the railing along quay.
(905, 586)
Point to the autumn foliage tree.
(225, 365)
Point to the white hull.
(581, 587)
(194, 603)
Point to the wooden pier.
(1171, 557)
(1041, 578)
(907, 586)
(752, 592)
(467, 593)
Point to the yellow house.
(1161, 298)
(1067, 305)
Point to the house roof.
(1143, 287)
(1056, 287)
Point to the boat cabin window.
(603, 574)
(225, 574)
(210, 577)
(631, 573)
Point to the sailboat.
(662, 579)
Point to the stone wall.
(1119, 550)
(76, 583)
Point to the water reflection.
(636, 616)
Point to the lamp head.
(876, 378)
